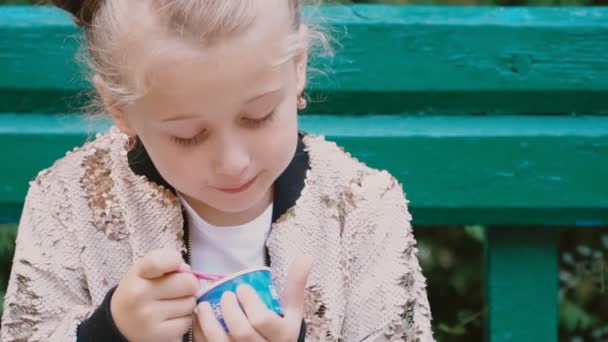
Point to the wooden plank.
(455, 169)
(392, 59)
(521, 284)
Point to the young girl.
(206, 168)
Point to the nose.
(232, 160)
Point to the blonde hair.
(112, 26)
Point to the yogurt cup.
(259, 278)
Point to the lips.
(240, 188)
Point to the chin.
(238, 203)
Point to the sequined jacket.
(90, 215)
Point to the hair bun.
(82, 10)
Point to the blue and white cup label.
(260, 279)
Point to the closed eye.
(189, 142)
(200, 137)
(255, 123)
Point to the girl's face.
(221, 128)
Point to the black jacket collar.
(288, 186)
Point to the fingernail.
(245, 287)
(229, 295)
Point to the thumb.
(158, 263)
(293, 297)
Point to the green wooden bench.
(489, 116)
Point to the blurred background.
(452, 257)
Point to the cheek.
(279, 142)
(184, 177)
(172, 164)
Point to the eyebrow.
(271, 92)
(188, 116)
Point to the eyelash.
(256, 123)
(252, 123)
(188, 142)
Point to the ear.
(301, 61)
(112, 107)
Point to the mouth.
(240, 188)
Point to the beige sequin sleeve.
(47, 295)
(387, 299)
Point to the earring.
(130, 143)
(302, 103)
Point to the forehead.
(256, 55)
(217, 79)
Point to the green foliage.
(574, 317)
(451, 259)
(583, 277)
(8, 233)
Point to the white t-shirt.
(228, 249)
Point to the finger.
(197, 331)
(293, 297)
(265, 321)
(238, 325)
(211, 328)
(177, 308)
(175, 285)
(158, 263)
(174, 329)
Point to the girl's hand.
(257, 322)
(152, 303)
